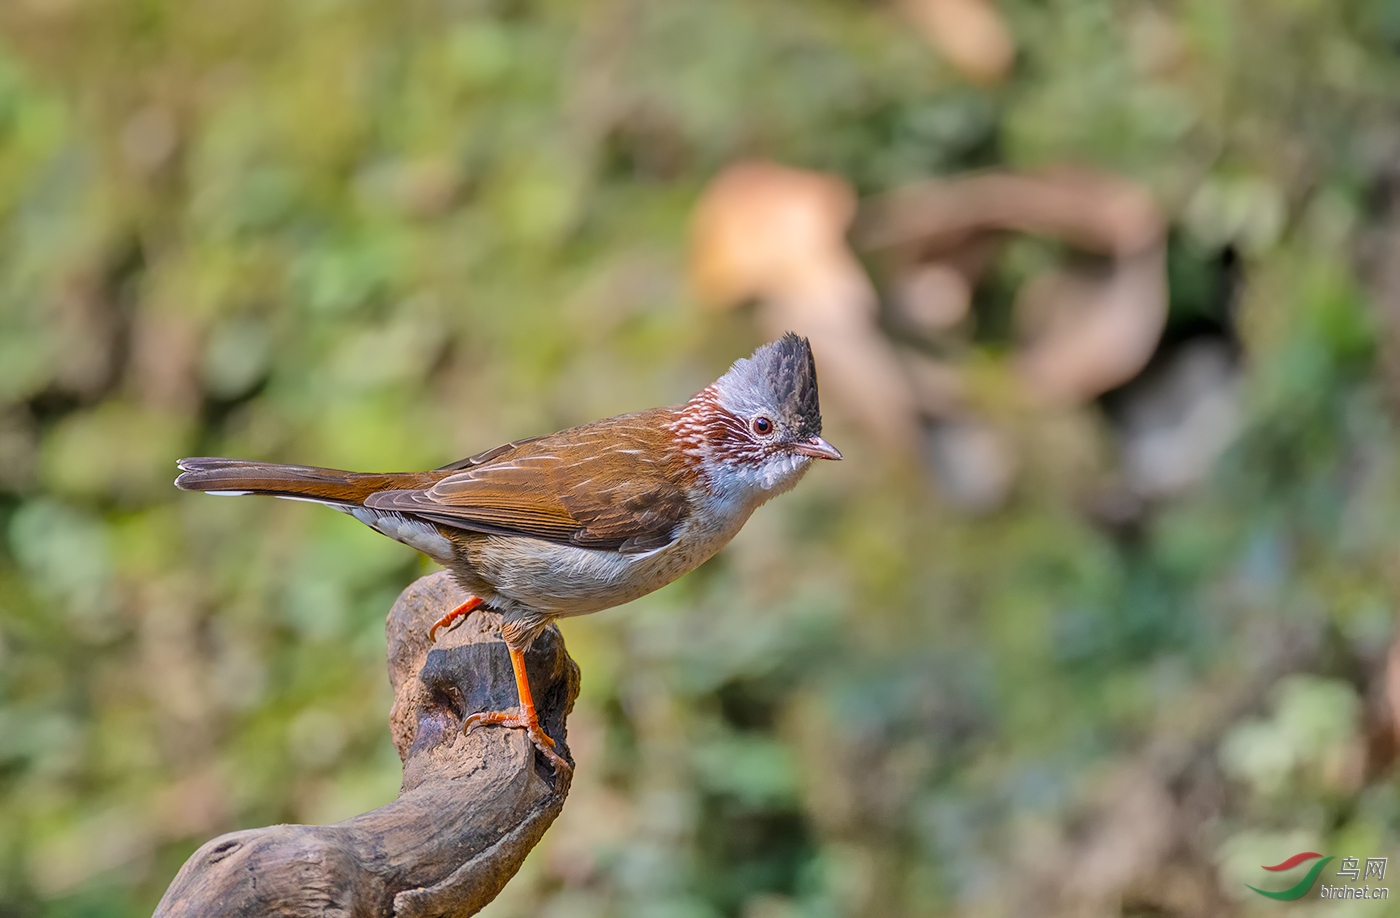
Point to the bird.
(583, 519)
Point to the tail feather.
(331, 486)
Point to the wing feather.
(608, 485)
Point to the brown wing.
(609, 485)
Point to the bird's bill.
(817, 448)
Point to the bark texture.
(470, 808)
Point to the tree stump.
(470, 808)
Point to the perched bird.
(586, 518)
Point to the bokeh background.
(1094, 619)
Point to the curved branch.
(470, 809)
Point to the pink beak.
(817, 448)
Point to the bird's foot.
(530, 724)
(454, 618)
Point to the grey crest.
(779, 381)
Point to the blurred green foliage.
(386, 235)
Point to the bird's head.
(758, 427)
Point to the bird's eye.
(762, 426)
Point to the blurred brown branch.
(470, 809)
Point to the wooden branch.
(470, 808)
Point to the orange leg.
(523, 717)
(454, 618)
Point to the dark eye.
(761, 426)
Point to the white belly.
(558, 580)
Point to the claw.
(519, 721)
(452, 620)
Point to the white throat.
(741, 487)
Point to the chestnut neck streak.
(708, 433)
